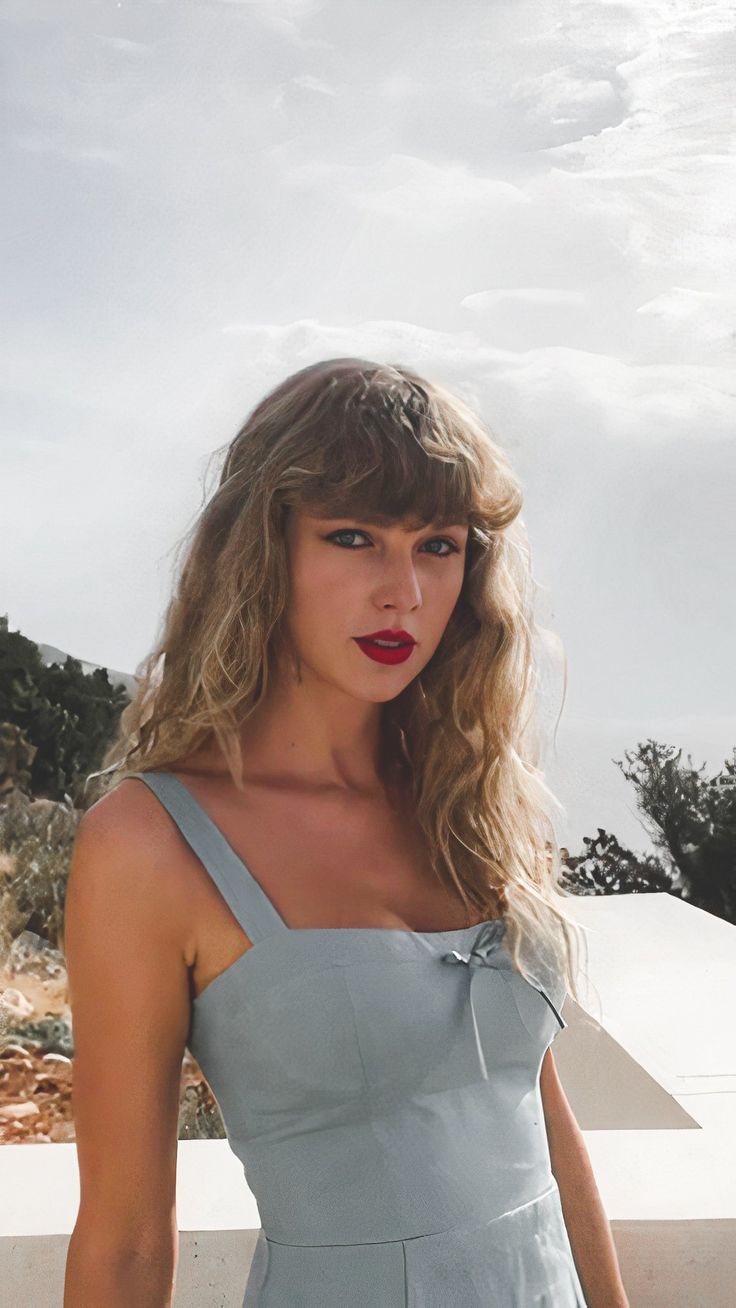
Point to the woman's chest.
(334, 864)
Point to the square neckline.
(223, 840)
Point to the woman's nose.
(399, 588)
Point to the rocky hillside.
(36, 1036)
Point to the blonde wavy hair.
(352, 438)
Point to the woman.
(337, 884)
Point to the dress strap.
(246, 899)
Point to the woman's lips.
(380, 653)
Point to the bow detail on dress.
(487, 940)
(486, 952)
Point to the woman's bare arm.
(124, 940)
(585, 1218)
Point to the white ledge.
(651, 1078)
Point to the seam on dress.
(346, 988)
(546, 1006)
(425, 1235)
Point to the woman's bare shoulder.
(127, 818)
(128, 848)
(128, 798)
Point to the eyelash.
(355, 531)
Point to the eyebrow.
(384, 520)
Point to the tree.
(692, 823)
(67, 714)
(692, 819)
(607, 868)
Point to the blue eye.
(442, 540)
(353, 531)
(346, 531)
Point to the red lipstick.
(390, 653)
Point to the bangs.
(385, 450)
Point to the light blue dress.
(381, 1089)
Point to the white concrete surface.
(649, 1065)
(665, 976)
(39, 1189)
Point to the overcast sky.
(532, 202)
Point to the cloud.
(698, 325)
(409, 189)
(139, 49)
(561, 97)
(555, 388)
(555, 297)
(309, 83)
(65, 149)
